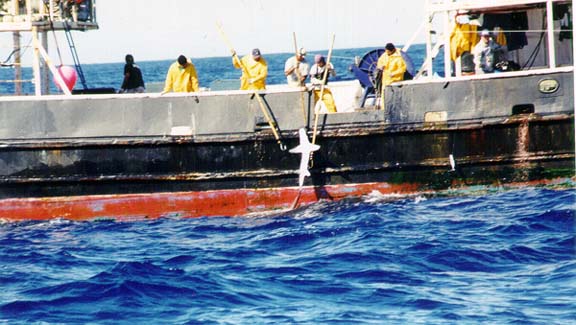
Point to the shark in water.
(304, 148)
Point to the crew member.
(254, 70)
(392, 66)
(486, 53)
(133, 81)
(316, 77)
(181, 77)
(296, 69)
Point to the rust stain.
(523, 139)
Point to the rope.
(5, 62)
(17, 81)
(532, 58)
(10, 56)
(343, 57)
(48, 6)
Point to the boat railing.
(450, 5)
(441, 20)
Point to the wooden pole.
(17, 64)
(258, 97)
(36, 62)
(316, 113)
(324, 77)
(299, 76)
(53, 69)
(45, 70)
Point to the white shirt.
(303, 67)
(484, 55)
(316, 73)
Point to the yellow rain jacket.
(327, 98)
(255, 76)
(463, 39)
(181, 79)
(500, 37)
(393, 67)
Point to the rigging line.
(49, 9)
(9, 46)
(74, 53)
(17, 81)
(10, 56)
(56, 43)
(5, 62)
(343, 57)
(26, 47)
(532, 58)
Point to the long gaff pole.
(258, 97)
(324, 77)
(299, 76)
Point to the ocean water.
(499, 257)
(493, 257)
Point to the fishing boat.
(233, 152)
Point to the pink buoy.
(69, 76)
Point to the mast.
(446, 40)
(550, 31)
(38, 18)
(17, 64)
(428, 31)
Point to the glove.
(251, 81)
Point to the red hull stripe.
(196, 204)
(182, 204)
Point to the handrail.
(444, 5)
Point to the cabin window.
(522, 109)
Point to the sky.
(161, 30)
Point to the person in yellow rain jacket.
(181, 77)
(462, 39)
(392, 65)
(317, 76)
(254, 70)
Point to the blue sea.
(497, 257)
(492, 256)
